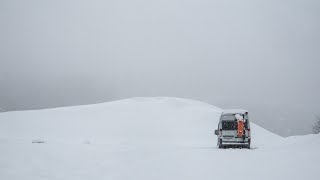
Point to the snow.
(238, 117)
(144, 138)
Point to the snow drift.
(143, 138)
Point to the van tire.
(220, 144)
(248, 146)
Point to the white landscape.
(144, 139)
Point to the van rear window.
(228, 125)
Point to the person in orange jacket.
(240, 127)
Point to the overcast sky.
(259, 55)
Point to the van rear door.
(229, 129)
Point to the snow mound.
(143, 138)
(147, 121)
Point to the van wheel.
(220, 144)
(248, 146)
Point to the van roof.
(235, 111)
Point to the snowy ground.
(144, 138)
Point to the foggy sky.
(259, 55)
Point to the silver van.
(234, 129)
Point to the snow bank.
(137, 120)
(143, 138)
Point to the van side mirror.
(216, 132)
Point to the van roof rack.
(235, 111)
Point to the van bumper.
(235, 141)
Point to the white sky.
(259, 55)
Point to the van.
(234, 129)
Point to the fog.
(260, 55)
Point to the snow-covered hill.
(143, 138)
